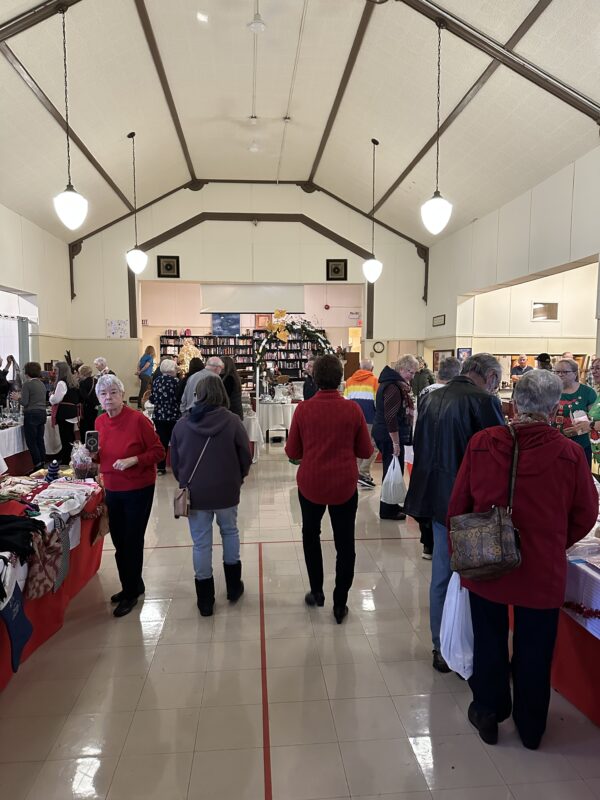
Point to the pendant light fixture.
(136, 258)
(372, 268)
(70, 206)
(437, 211)
(257, 23)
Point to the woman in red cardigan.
(555, 505)
(328, 434)
(129, 452)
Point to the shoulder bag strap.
(197, 462)
(513, 468)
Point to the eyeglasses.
(564, 371)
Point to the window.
(544, 312)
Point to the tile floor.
(166, 705)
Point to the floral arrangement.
(282, 326)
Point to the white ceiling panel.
(496, 19)
(113, 89)
(510, 138)
(392, 97)
(33, 164)
(566, 43)
(209, 67)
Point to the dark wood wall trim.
(131, 293)
(28, 19)
(74, 250)
(526, 69)
(32, 84)
(354, 51)
(527, 23)
(162, 76)
(370, 310)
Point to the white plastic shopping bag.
(393, 489)
(456, 634)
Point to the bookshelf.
(289, 357)
(240, 348)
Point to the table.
(255, 435)
(275, 416)
(47, 613)
(14, 454)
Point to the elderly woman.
(328, 435)
(33, 400)
(591, 426)
(102, 366)
(394, 412)
(65, 408)
(210, 453)
(575, 397)
(233, 386)
(129, 450)
(166, 408)
(555, 505)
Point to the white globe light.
(372, 269)
(436, 213)
(136, 260)
(257, 24)
(71, 208)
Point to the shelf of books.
(240, 348)
(288, 357)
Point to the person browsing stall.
(214, 366)
(361, 387)
(33, 400)
(575, 401)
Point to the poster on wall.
(117, 329)
(462, 353)
(226, 324)
(440, 355)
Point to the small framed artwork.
(439, 321)
(337, 269)
(440, 355)
(167, 266)
(462, 353)
(262, 320)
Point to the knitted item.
(53, 471)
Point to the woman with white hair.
(129, 450)
(166, 407)
(102, 366)
(65, 402)
(555, 505)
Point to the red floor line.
(265, 690)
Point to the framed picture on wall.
(440, 355)
(226, 324)
(337, 269)
(262, 320)
(167, 266)
(462, 353)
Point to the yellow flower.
(280, 313)
(283, 336)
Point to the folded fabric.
(18, 627)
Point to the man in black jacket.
(447, 419)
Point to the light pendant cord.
(132, 137)
(64, 32)
(374, 142)
(437, 137)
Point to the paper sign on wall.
(117, 328)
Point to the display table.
(47, 613)
(275, 416)
(14, 455)
(255, 435)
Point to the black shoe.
(398, 517)
(530, 742)
(205, 593)
(233, 581)
(116, 598)
(366, 482)
(340, 613)
(162, 471)
(314, 599)
(439, 662)
(486, 724)
(427, 553)
(126, 605)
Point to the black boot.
(233, 580)
(205, 592)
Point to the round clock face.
(378, 347)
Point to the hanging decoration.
(136, 258)
(372, 267)
(282, 327)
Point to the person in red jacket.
(328, 434)
(555, 505)
(129, 450)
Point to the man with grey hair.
(362, 387)
(423, 378)
(214, 366)
(448, 418)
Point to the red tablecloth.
(574, 668)
(48, 612)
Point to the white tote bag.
(393, 489)
(456, 634)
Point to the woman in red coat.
(555, 505)
(328, 434)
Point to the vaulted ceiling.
(342, 70)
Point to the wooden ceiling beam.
(526, 25)
(164, 82)
(28, 19)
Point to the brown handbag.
(485, 545)
(182, 499)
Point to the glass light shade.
(136, 260)
(257, 25)
(436, 213)
(372, 269)
(71, 208)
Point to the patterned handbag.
(485, 545)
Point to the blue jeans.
(201, 530)
(440, 577)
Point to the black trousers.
(534, 636)
(386, 448)
(426, 528)
(66, 431)
(164, 429)
(145, 384)
(128, 515)
(34, 425)
(87, 422)
(343, 518)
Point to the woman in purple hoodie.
(210, 453)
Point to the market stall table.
(275, 417)
(14, 455)
(255, 435)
